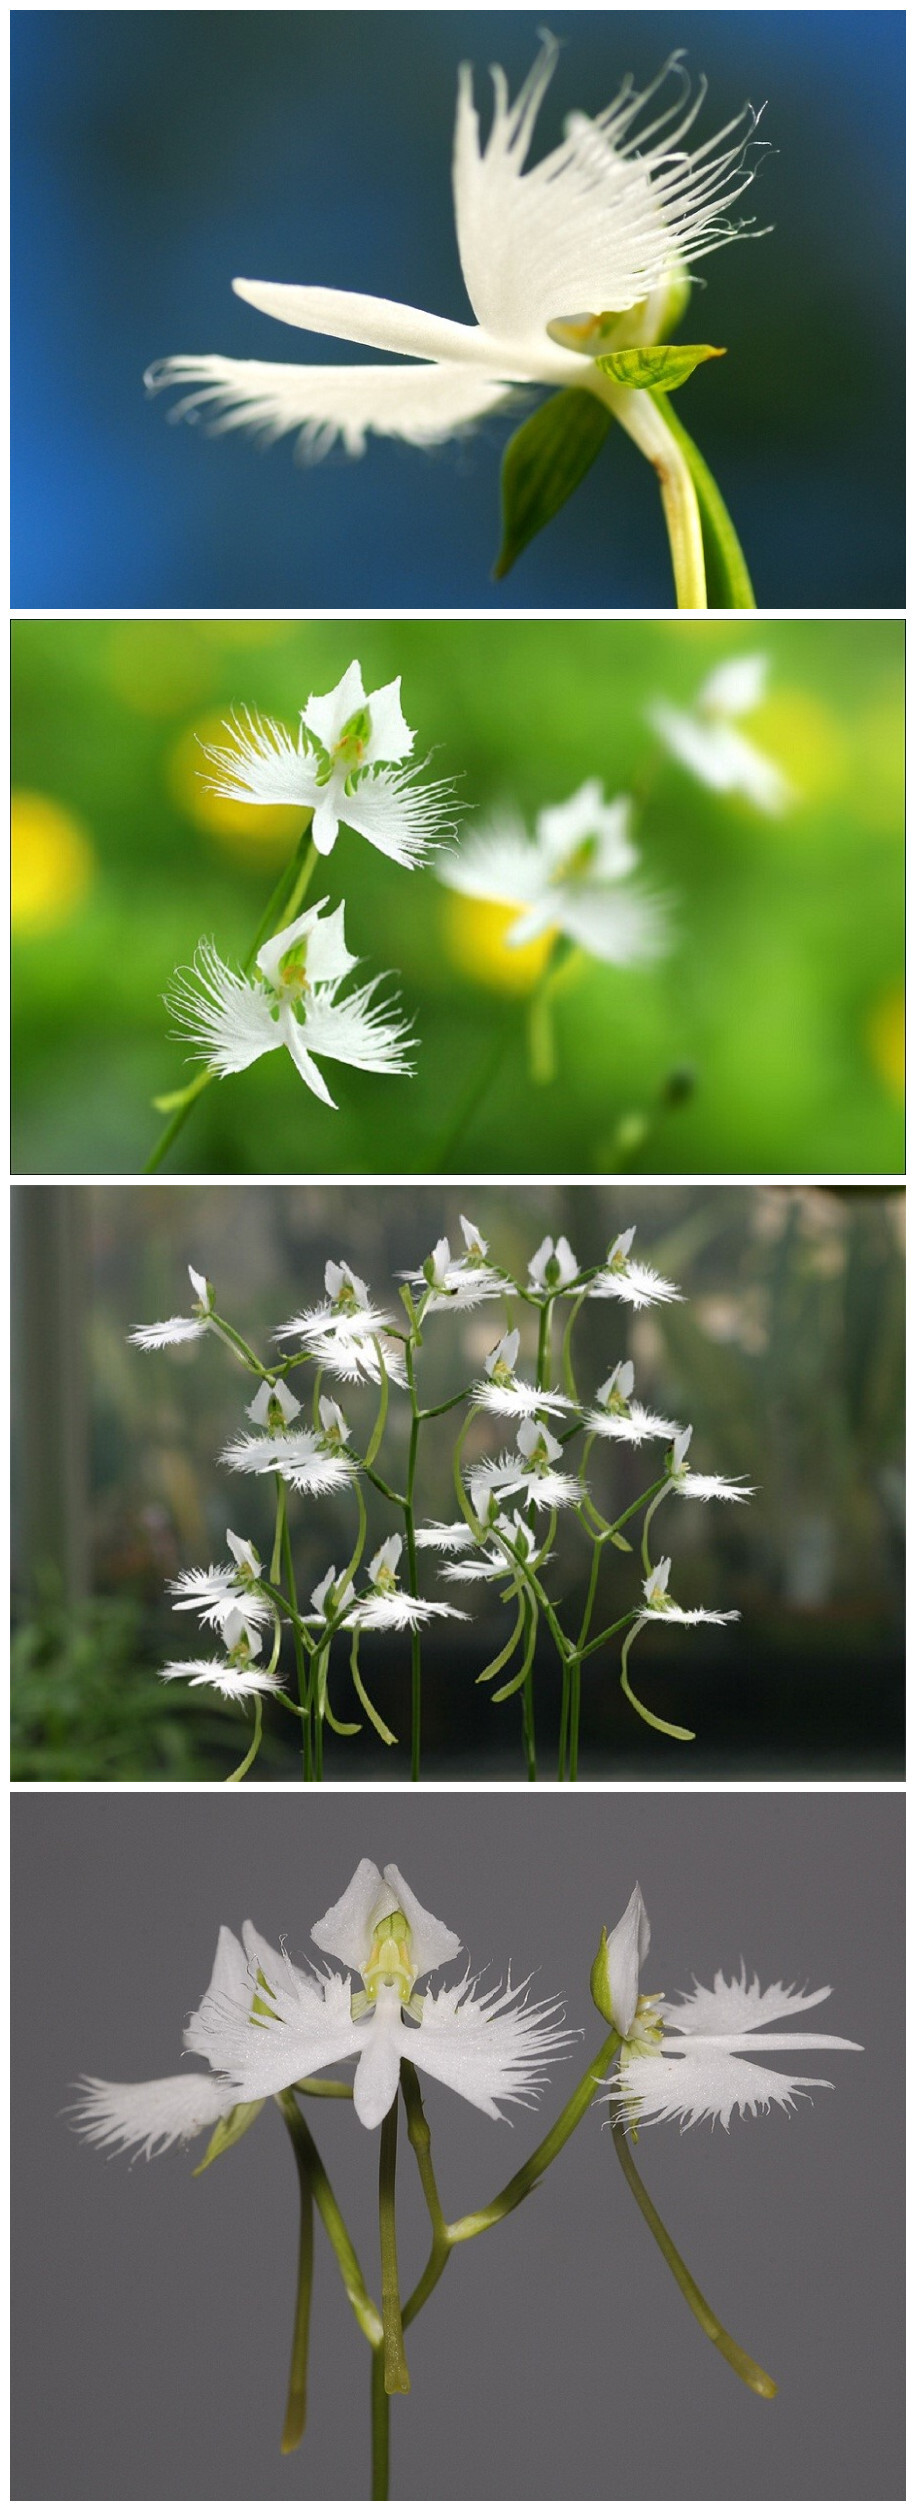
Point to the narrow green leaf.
(620, 1543)
(728, 584)
(228, 2131)
(668, 367)
(542, 464)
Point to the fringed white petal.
(632, 1426)
(302, 1459)
(310, 2027)
(739, 2004)
(227, 1018)
(169, 1330)
(704, 2084)
(262, 763)
(627, 927)
(456, 1537)
(356, 1030)
(499, 862)
(400, 816)
(233, 1682)
(518, 1401)
(638, 1285)
(607, 217)
(711, 1486)
(148, 2118)
(401, 1612)
(422, 405)
(490, 2048)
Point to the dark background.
(158, 154)
(787, 1356)
(556, 2359)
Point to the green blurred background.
(787, 1357)
(782, 1003)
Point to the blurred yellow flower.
(475, 932)
(265, 835)
(53, 863)
(886, 1035)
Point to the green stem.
(728, 584)
(297, 2393)
(287, 897)
(648, 425)
(363, 2308)
(419, 2137)
(303, 1683)
(253, 1748)
(575, 1703)
(747, 2370)
(397, 2376)
(681, 1734)
(650, 1512)
(381, 2429)
(524, 2180)
(564, 1721)
(443, 1155)
(363, 1696)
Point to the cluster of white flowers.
(510, 1499)
(264, 2024)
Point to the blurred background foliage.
(786, 1357)
(176, 148)
(771, 1039)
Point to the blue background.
(158, 153)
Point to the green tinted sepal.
(665, 368)
(228, 2131)
(542, 464)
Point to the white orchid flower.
(492, 1563)
(707, 742)
(491, 2048)
(502, 1392)
(344, 766)
(386, 1607)
(622, 1277)
(447, 1281)
(701, 1486)
(292, 1000)
(571, 879)
(274, 1405)
(343, 1330)
(179, 1329)
(533, 1470)
(234, 1675)
(697, 2060)
(610, 221)
(616, 1414)
(309, 1462)
(224, 1590)
(660, 1606)
(552, 1267)
(325, 1601)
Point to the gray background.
(557, 2359)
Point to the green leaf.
(728, 584)
(542, 464)
(643, 368)
(228, 2131)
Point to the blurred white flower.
(292, 1000)
(344, 766)
(571, 878)
(708, 744)
(611, 218)
(178, 1329)
(621, 1277)
(697, 2060)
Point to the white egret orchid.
(234, 1675)
(224, 1590)
(345, 765)
(616, 1413)
(659, 1606)
(698, 2059)
(707, 742)
(385, 1606)
(461, 1281)
(608, 223)
(346, 1331)
(308, 1460)
(501, 1391)
(178, 1329)
(491, 2048)
(571, 879)
(622, 1277)
(701, 1486)
(532, 1470)
(552, 1267)
(292, 999)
